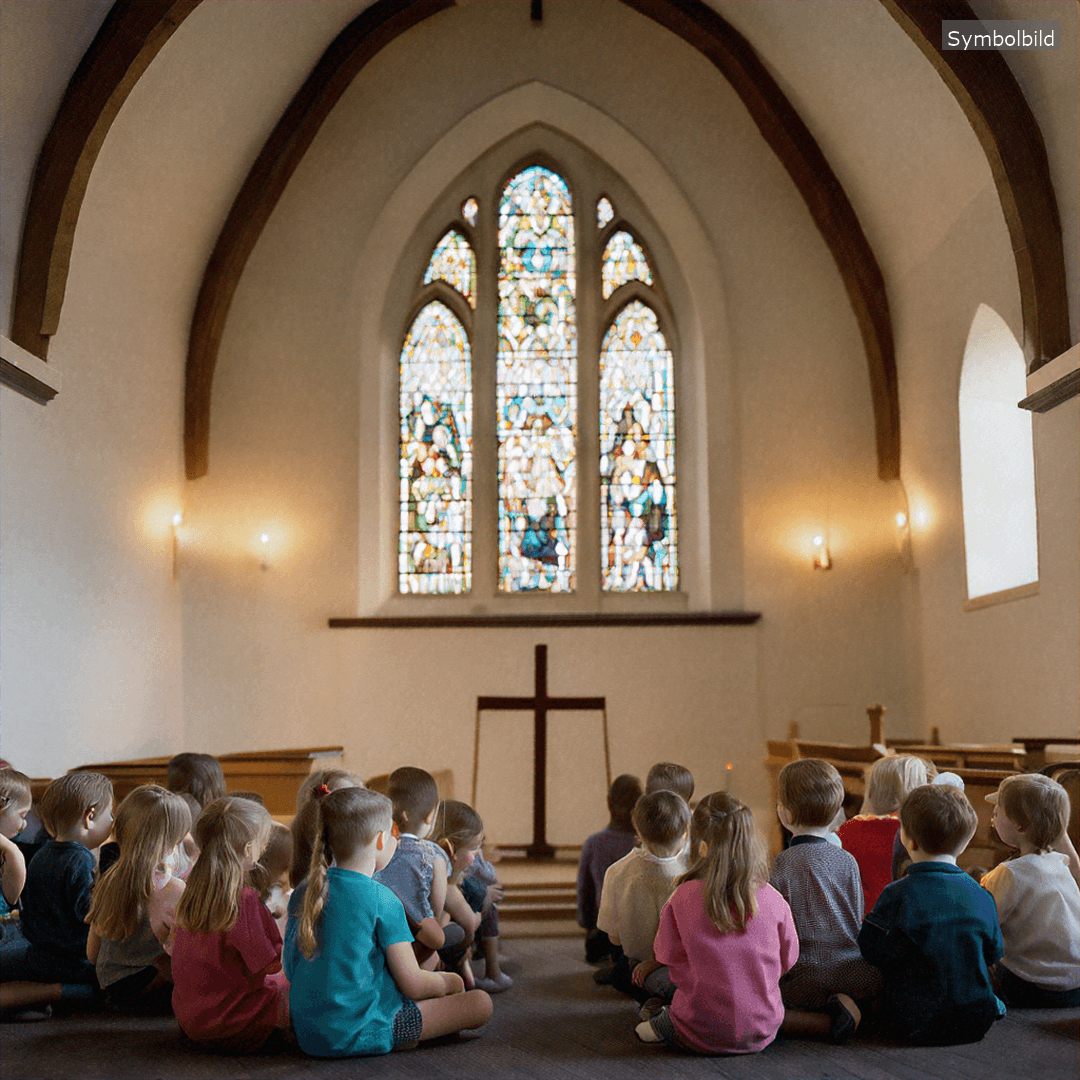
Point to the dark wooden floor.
(555, 1023)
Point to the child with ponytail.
(134, 904)
(460, 833)
(356, 986)
(226, 960)
(727, 936)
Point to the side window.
(997, 461)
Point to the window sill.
(1002, 597)
(549, 619)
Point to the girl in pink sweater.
(726, 936)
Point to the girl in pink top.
(226, 958)
(727, 937)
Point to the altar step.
(541, 896)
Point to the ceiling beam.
(283, 151)
(790, 139)
(986, 89)
(131, 36)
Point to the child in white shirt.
(637, 887)
(1037, 896)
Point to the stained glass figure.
(469, 210)
(623, 261)
(604, 211)
(435, 455)
(536, 403)
(638, 533)
(453, 261)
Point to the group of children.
(354, 931)
(870, 915)
(191, 909)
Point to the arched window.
(542, 258)
(997, 465)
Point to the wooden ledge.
(554, 619)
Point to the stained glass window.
(604, 212)
(453, 261)
(469, 209)
(624, 261)
(637, 456)
(435, 455)
(536, 397)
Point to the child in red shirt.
(226, 957)
(870, 835)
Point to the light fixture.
(822, 561)
(177, 521)
(264, 543)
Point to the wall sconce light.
(822, 561)
(903, 540)
(264, 546)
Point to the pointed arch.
(997, 461)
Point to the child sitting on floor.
(355, 984)
(599, 851)
(727, 936)
(637, 887)
(134, 904)
(418, 871)
(270, 878)
(460, 833)
(667, 776)
(305, 823)
(15, 802)
(869, 836)
(1037, 898)
(934, 933)
(821, 884)
(229, 992)
(51, 962)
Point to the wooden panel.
(131, 36)
(275, 774)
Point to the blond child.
(356, 986)
(727, 937)
(305, 823)
(1036, 895)
(637, 887)
(226, 960)
(134, 904)
(15, 802)
(821, 884)
(869, 836)
(51, 962)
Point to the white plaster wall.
(1010, 669)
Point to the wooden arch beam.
(132, 34)
(369, 32)
(995, 106)
(790, 139)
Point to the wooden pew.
(275, 774)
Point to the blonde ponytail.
(314, 897)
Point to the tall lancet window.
(435, 453)
(637, 455)
(536, 395)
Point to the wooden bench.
(275, 774)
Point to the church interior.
(863, 251)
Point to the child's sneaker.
(496, 985)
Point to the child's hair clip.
(321, 790)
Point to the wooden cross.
(540, 704)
